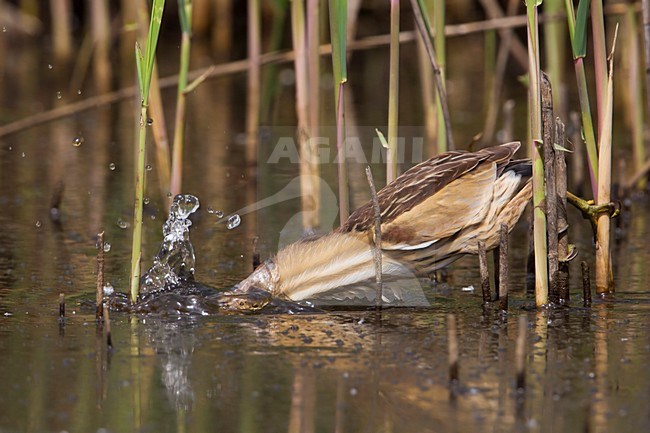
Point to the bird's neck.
(309, 268)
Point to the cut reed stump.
(485, 274)
(61, 306)
(100, 276)
(503, 268)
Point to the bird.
(431, 215)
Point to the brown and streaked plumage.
(430, 216)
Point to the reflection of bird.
(430, 216)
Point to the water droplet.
(79, 92)
(107, 247)
(58, 95)
(149, 167)
(169, 194)
(233, 221)
(108, 289)
(216, 212)
(145, 200)
(149, 121)
(38, 224)
(122, 224)
(11, 148)
(77, 141)
(23, 154)
(4, 29)
(49, 66)
(112, 166)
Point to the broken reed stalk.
(603, 260)
(376, 251)
(107, 328)
(520, 353)
(586, 284)
(578, 36)
(485, 274)
(393, 93)
(503, 268)
(562, 279)
(144, 63)
(535, 109)
(496, 261)
(425, 33)
(253, 98)
(99, 299)
(185, 17)
(338, 30)
(61, 306)
(548, 128)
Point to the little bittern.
(430, 216)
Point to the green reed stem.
(577, 34)
(185, 16)
(600, 59)
(555, 53)
(535, 109)
(144, 63)
(393, 93)
(338, 10)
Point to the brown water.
(336, 371)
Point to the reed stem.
(144, 63)
(61, 306)
(578, 41)
(646, 46)
(253, 95)
(377, 239)
(185, 16)
(635, 86)
(603, 260)
(600, 60)
(61, 16)
(562, 279)
(534, 101)
(586, 284)
(393, 93)
(441, 54)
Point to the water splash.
(174, 263)
(233, 221)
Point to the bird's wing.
(462, 203)
(424, 181)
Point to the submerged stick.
(548, 132)
(586, 284)
(453, 353)
(520, 353)
(107, 329)
(377, 239)
(61, 306)
(503, 267)
(99, 300)
(485, 275)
